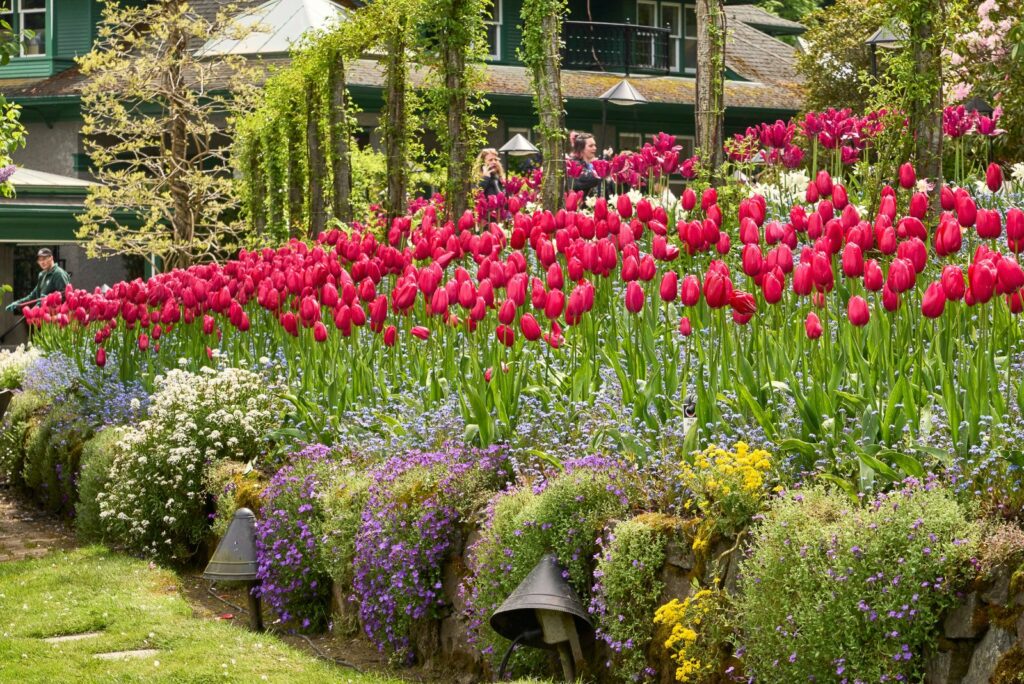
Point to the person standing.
(53, 278)
(492, 175)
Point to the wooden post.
(709, 108)
(341, 154)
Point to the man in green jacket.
(52, 279)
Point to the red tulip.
(839, 198)
(988, 224)
(531, 329)
(908, 179)
(853, 261)
(947, 199)
(555, 279)
(890, 300)
(634, 297)
(319, 331)
(208, 324)
(143, 342)
(857, 311)
(994, 177)
(644, 210)
(901, 276)
(689, 199)
(390, 335)
(507, 312)
(966, 211)
(506, 335)
(948, 238)
(803, 280)
(708, 199)
(290, 323)
(772, 287)
(873, 279)
(690, 293)
(685, 328)
(813, 326)
(919, 205)
(669, 289)
(934, 301)
(555, 304)
(420, 332)
(743, 303)
(982, 278)
(624, 206)
(1009, 275)
(1015, 224)
(821, 270)
(953, 282)
(823, 182)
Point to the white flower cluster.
(155, 499)
(13, 364)
(787, 190)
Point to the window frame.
(675, 39)
(14, 14)
(497, 24)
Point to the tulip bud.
(857, 311)
(506, 335)
(143, 342)
(953, 282)
(919, 205)
(907, 176)
(994, 177)
(689, 199)
(624, 206)
(690, 290)
(813, 326)
(669, 289)
(685, 329)
(634, 297)
(529, 326)
(101, 357)
(390, 335)
(853, 261)
(319, 331)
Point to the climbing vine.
(541, 53)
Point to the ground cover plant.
(133, 605)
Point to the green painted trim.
(38, 223)
(52, 190)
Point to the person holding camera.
(53, 278)
(492, 175)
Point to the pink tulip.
(934, 301)
(813, 326)
(857, 311)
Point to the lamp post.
(518, 146)
(622, 94)
(882, 38)
(235, 561)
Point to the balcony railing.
(625, 48)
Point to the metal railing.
(601, 46)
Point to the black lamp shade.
(543, 589)
(235, 557)
(884, 38)
(979, 105)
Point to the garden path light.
(235, 561)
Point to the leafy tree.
(12, 133)
(158, 120)
(794, 10)
(836, 67)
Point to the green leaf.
(842, 483)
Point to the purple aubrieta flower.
(6, 172)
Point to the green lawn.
(135, 607)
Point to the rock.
(999, 592)
(960, 622)
(987, 654)
(1020, 628)
(679, 555)
(948, 663)
(71, 637)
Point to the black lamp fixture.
(979, 105)
(235, 561)
(544, 612)
(882, 38)
(622, 94)
(518, 146)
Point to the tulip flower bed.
(863, 343)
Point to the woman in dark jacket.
(492, 175)
(584, 151)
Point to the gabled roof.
(277, 26)
(757, 18)
(756, 56)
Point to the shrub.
(287, 546)
(97, 459)
(728, 488)
(828, 579)
(234, 485)
(343, 494)
(626, 590)
(563, 515)
(53, 449)
(696, 634)
(25, 412)
(14, 363)
(155, 501)
(415, 508)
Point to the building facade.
(652, 42)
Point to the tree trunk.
(341, 157)
(459, 160)
(396, 148)
(257, 182)
(550, 110)
(277, 217)
(182, 217)
(927, 108)
(709, 108)
(317, 162)
(296, 182)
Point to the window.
(26, 16)
(646, 47)
(630, 141)
(689, 39)
(672, 19)
(525, 132)
(492, 22)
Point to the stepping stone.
(71, 637)
(127, 655)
